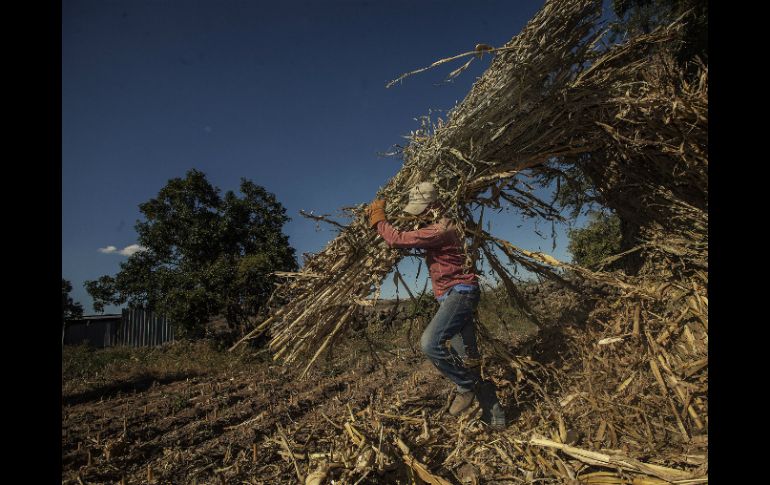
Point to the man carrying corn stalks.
(457, 290)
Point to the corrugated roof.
(109, 316)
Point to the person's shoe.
(494, 417)
(492, 413)
(497, 418)
(461, 402)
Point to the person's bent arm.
(432, 236)
(427, 237)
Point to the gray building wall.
(135, 327)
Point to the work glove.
(376, 212)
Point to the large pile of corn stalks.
(631, 384)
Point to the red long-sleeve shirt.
(443, 252)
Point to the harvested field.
(611, 390)
(240, 418)
(222, 426)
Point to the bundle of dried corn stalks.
(633, 378)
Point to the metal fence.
(142, 328)
(134, 327)
(95, 330)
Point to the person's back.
(444, 252)
(456, 287)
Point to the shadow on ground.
(137, 384)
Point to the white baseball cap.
(420, 197)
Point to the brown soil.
(202, 429)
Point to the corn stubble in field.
(615, 397)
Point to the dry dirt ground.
(198, 415)
(228, 427)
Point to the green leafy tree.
(203, 254)
(574, 180)
(572, 189)
(642, 16)
(600, 238)
(69, 308)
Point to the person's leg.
(455, 313)
(465, 347)
(464, 350)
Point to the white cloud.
(126, 251)
(129, 250)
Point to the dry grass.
(630, 380)
(87, 369)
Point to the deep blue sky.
(288, 94)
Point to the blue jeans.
(453, 323)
